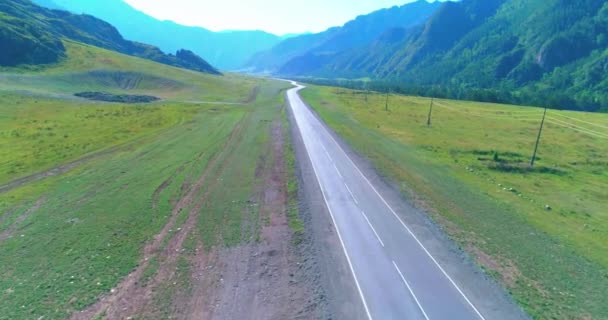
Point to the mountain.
(50, 4)
(31, 34)
(542, 52)
(227, 50)
(314, 48)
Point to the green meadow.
(108, 175)
(540, 231)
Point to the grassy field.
(67, 239)
(470, 170)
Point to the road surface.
(395, 275)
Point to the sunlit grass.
(472, 166)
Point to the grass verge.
(541, 231)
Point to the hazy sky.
(276, 16)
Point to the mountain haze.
(542, 52)
(313, 48)
(34, 35)
(226, 50)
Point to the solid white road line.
(350, 265)
(407, 228)
(373, 229)
(411, 291)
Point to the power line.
(568, 126)
(574, 126)
(499, 117)
(579, 120)
(549, 119)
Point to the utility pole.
(540, 131)
(386, 104)
(428, 121)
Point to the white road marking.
(351, 194)
(369, 316)
(372, 227)
(411, 291)
(338, 171)
(407, 228)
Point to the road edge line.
(352, 270)
(406, 227)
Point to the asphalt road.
(396, 276)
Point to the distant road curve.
(396, 276)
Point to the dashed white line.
(408, 229)
(411, 291)
(338, 171)
(373, 229)
(351, 194)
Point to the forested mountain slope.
(311, 48)
(543, 52)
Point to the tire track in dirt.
(169, 181)
(8, 233)
(57, 170)
(63, 168)
(253, 95)
(265, 277)
(128, 297)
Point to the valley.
(541, 232)
(121, 209)
(429, 160)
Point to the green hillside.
(546, 53)
(33, 35)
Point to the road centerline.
(373, 229)
(348, 259)
(411, 291)
(373, 267)
(351, 193)
(406, 227)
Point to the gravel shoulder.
(334, 277)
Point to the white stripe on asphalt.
(369, 316)
(411, 291)
(372, 227)
(407, 228)
(351, 194)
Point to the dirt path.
(253, 95)
(263, 278)
(257, 280)
(129, 297)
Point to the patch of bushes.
(123, 98)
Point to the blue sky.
(276, 16)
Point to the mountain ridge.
(546, 53)
(227, 50)
(360, 31)
(34, 34)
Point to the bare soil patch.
(257, 280)
(130, 298)
(263, 278)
